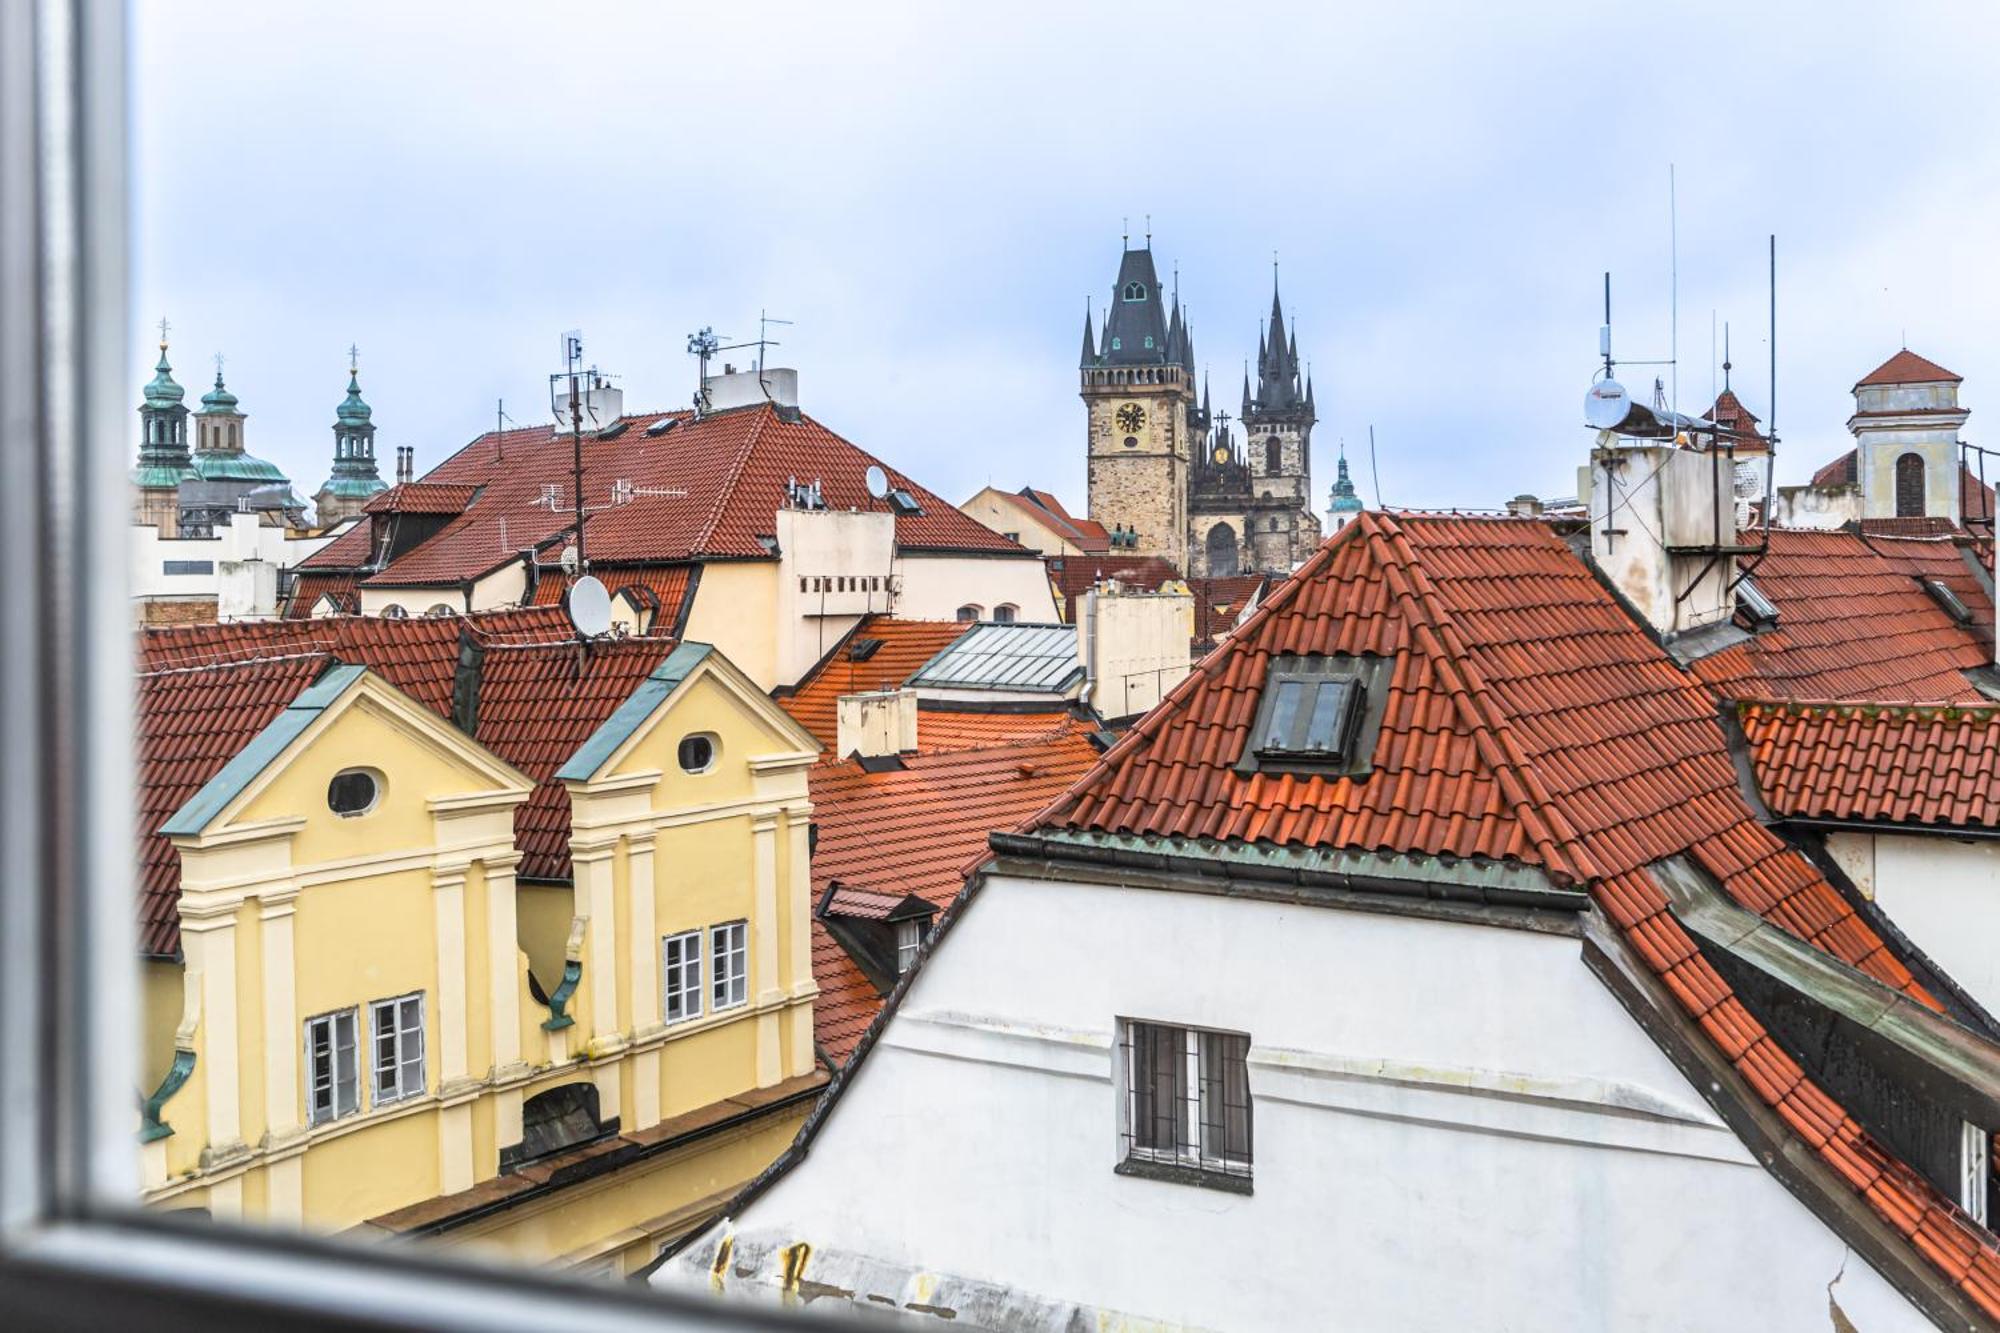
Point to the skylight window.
(614, 430)
(1758, 609)
(662, 426)
(904, 503)
(1318, 714)
(1953, 605)
(863, 649)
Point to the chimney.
(406, 463)
(883, 722)
(1663, 529)
(1525, 506)
(603, 401)
(746, 388)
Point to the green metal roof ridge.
(1387, 867)
(196, 812)
(638, 706)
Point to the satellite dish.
(878, 482)
(571, 562)
(589, 607)
(1606, 405)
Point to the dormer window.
(909, 935)
(1954, 606)
(1318, 714)
(1754, 606)
(1135, 291)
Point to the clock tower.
(1138, 392)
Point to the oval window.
(697, 753)
(353, 792)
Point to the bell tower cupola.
(354, 477)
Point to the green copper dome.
(163, 392)
(354, 488)
(218, 400)
(1344, 500)
(353, 412)
(233, 465)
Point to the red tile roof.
(862, 904)
(309, 588)
(704, 488)
(422, 497)
(941, 729)
(1218, 602)
(668, 585)
(1876, 764)
(918, 830)
(1853, 624)
(1075, 575)
(207, 689)
(191, 723)
(1906, 367)
(905, 646)
(1739, 422)
(1526, 718)
(1085, 534)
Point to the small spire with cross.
(218, 367)
(353, 359)
(164, 326)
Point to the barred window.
(729, 945)
(1187, 1104)
(680, 956)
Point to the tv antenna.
(702, 346)
(763, 321)
(707, 343)
(572, 344)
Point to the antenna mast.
(572, 365)
(702, 346)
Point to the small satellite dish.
(1606, 405)
(571, 562)
(589, 607)
(878, 482)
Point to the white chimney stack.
(1663, 529)
(746, 388)
(603, 401)
(882, 722)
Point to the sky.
(931, 191)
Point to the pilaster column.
(208, 943)
(503, 962)
(645, 980)
(799, 919)
(596, 894)
(764, 947)
(449, 1004)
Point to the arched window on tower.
(1910, 486)
(1273, 457)
(1135, 291)
(1224, 560)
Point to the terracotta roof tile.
(192, 721)
(668, 586)
(1877, 764)
(422, 497)
(707, 487)
(1906, 367)
(919, 830)
(1527, 718)
(310, 588)
(1083, 533)
(855, 668)
(1853, 624)
(1075, 575)
(1219, 601)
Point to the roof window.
(613, 431)
(662, 426)
(904, 503)
(1318, 714)
(1953, 605)
(1754, 606)
(863, 649)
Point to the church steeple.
(1089, 339)
(163, 443)
(354, 476)
(1279, 390)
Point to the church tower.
(1278, 417)
(1138, 394)
(163, 449)
(354, 477)
(1905, 426)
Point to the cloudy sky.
(930, 192)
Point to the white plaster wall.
(835, 567)
(1135, 646)
(1945, 895)
(245, 558)
(935, 586)
(1655, 497)
(1530, 1161)
(1819, 507)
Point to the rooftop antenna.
(1674, 297)
(1374, 477)
(1771, 421)
(1725, 356)
(1149, 231)
(1604, 330)
(702, 346)
(1124, 239)
(572, 367)
(762, 341)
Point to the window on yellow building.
(680, 957)
(333, 1085)
(729, 943)
(396, 1029)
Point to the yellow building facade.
(374, 1027)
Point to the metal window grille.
(681, 959)
(730, 946)
(396, 1031)
(909, 934)
(1188, 1098)
(332, 1077)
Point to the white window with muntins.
(680, 958)
(909, 934)
(396, 1048)
(1187, 1100)
(1975, 1166)
(333, 1076)
(730, 946)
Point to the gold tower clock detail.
(1131, 417)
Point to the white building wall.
(241, 563)
(935, 586)
(1943, 894)
(1135, 648)
(1456, 1127)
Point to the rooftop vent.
(804, 494)
(1754, 606)
(1949, 600)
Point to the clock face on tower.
(1131, 417)
(1221, 453)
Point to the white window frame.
(1975, 1165)
(680, 977)
(909, 938)
(408, 1076)
(1195, 1155)
(729, 964)
(330, 1023)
